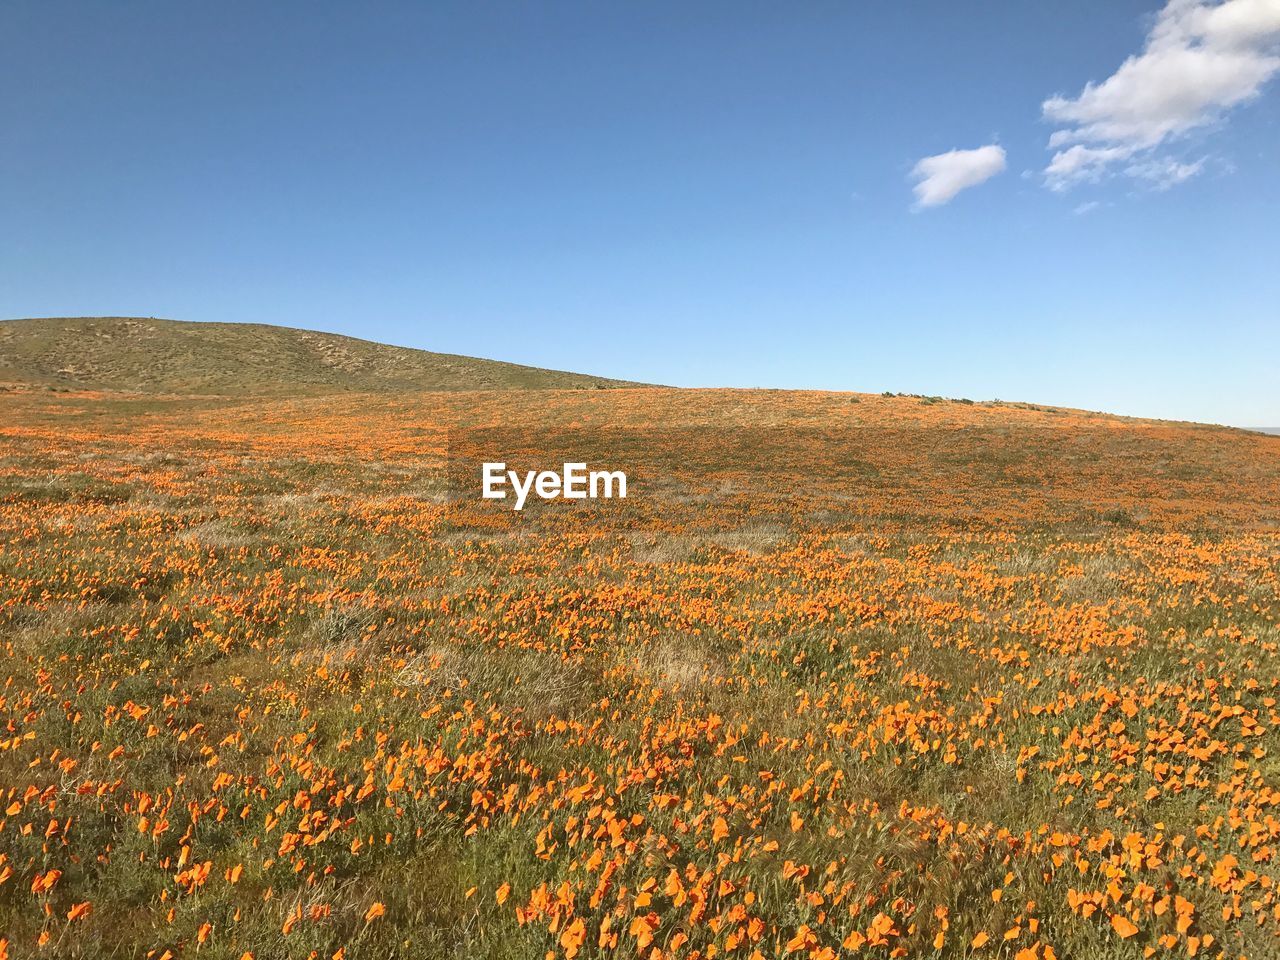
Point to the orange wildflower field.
(843, 676)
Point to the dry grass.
(146, 355)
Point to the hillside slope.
(139, 355)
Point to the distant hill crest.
(151, 356)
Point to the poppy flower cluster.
(924, 678)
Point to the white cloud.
(1202, 57)
(1081, 163)
(1165, 172)
(942, 176)
(1084, 208)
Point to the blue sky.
(707, 194)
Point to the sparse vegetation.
(146, 355)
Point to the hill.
(140, 355)
(839, 670)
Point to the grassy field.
(844, 676)
(146, 355)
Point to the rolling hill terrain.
(844, 675)
(141, 355)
